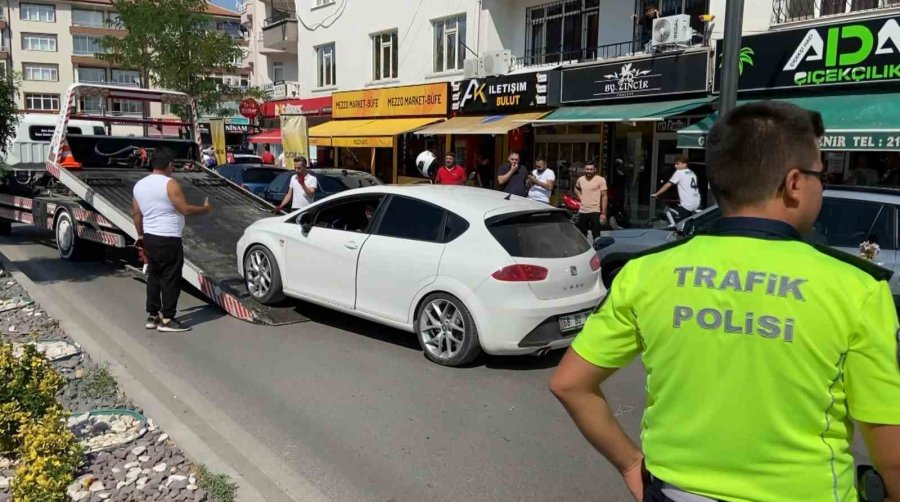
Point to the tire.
(262, 275)
(69, 245)
(608, 277)
(439, 316)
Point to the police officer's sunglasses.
(822, 175)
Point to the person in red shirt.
(450, 173)
(267, 156)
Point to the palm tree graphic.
(746, 57)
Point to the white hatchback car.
(466, 269)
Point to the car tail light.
(520, 273)
(595, 263)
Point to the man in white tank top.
(158, 210)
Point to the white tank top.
(160, 216)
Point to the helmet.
(426, 163)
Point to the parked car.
(247, 158)
(331, 181)
(252, 177)
(849, 216)
(465, 269)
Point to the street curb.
(173, 417)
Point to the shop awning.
(853, 122)
(630, 112)
(491, 124)
(365, 132)
(267, 136)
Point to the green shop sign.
(850, 53)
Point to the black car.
(330, 182)
(252, 177)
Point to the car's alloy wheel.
(262, 276)
(447, 331)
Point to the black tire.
(608, 277)
(467, 350)
(253, 276)
(69, 245)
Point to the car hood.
(267, 222)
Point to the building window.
(37, 12)
(562, 31)
(384, 46)
(448, 34)
(91, 104)
(87, 45)
(90, 18)
(46, 72)
(127, 107)
(91, 75)
(128, 78)
(42, 102)
(792, 10)
(277, 71)
(38, 42)
(231, 28)
(325, 63)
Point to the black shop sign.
(666, 75)
(849, 53)
(231, 128)
(506, 93)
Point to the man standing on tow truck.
(159, 208)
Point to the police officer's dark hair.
(751, 149)
(161, 158)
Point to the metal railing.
(279, 16)
(538, 57)
(786, 11)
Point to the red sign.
(249, 108)
(309, 106)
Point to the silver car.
(849, 216)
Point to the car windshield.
(539, 235)
(261, 175)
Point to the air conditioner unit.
(671, 30)
(470, 68)
(496, 63)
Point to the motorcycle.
(618, 216)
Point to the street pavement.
(339, 408)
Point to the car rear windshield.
(538, 235)
(260, 175)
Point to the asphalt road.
(345, 406)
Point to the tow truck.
(83, 194)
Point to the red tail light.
(595, 263)
(520, 273)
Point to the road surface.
(339, 408)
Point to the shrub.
(49, 457)
(28, 386)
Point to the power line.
(327, 22)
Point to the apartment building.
(272, 34)
(53, 44)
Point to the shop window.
(564, 30)
(449, 35)
(384, 57)
(325, 64)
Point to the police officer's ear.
(791, 188)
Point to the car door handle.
(350, 245)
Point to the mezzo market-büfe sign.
(850, 53)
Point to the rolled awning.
(377, 133)
(630, 112)
(853, 122)
(491, 124)
(267, 136)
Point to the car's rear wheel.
(262, 276)
(446, 330)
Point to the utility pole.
(734, 20)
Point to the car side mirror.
(685, 227)
(305, 222)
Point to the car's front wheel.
(446, 330)
(262, 276)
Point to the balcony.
(280, 32)
(540, 57)
(789, 11)
(247, 13)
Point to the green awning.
(632, 112)
(853, 122)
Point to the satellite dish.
(426, 163)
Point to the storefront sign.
(412, 101)
(831, 141)
(850, 53)
(675, 124)
(230, 128)
(664, 75)
(364, 142)
(309, 106)
(506, 93)
(249, 108)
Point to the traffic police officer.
(759, 348)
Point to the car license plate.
(574, 321)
